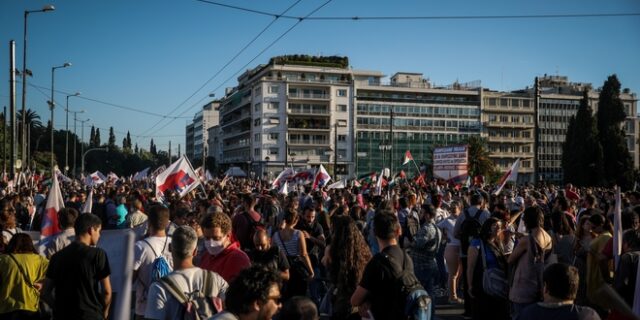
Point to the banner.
(451, 163)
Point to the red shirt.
(228, 263)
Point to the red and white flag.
(88, 205)
(510, 175)
(321, 178)
(285, 175)
(407, 157)
(55, 202)
(179, 177)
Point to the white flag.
(337, 185)
(284, 188)
(55, 202)
(510, 175)
(617, 229)
(179, 177)
(142, 175)
(88, 205)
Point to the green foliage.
(618, 165)
(307, 60)
(479, 162)
(582, 154)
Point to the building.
(424, 117)
(197, 132)
(509, 127)
(295, 112)
(214, 150)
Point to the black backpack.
(410, 296)
(469, 229)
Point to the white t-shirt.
(162, 305)
(143, 258)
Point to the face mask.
(214, 247)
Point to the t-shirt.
(315, 230)
(15, 293)
(162, 305)
(379, 282)
(490, 256)
(76, 271)
(557, 312)
(447, 225)
(143, 258)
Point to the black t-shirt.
(379, 282)
(76, 271)
(315, 230)
(564, 312)
(274, 259)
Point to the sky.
(161, 56)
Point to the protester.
(269, 256)
(246, 221)
(597, 271)
(560, 288)
(166, 298)
(136, 217)
(222, 255)
(66, 218)
(8, 221)
(452, 251)
(254, 294)
(299, 308)
(75, 273)
(23, 272)
(424, 249)
(146, 254)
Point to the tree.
(112, 138)
(96, 141)
(128, 140)
(92, 136)
(32, 118)
(618, 166)
(582, 155)
(152, 148)
(136, 149)
(479, 162)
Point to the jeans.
(427, 274)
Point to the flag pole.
(415, 164)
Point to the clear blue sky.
(152, 55)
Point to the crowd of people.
(239, 249)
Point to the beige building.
(509, 127)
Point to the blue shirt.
(490, 256)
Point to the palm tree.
(33, 119)
(479, 162)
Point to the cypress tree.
(112, 138)
(97, 141)
(569, 154)
(92, 137)
(618, 166)
(128, 140)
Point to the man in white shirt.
(137, 217)
(146, 251)
(67, 219)
(187, 278)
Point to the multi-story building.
(560, 100)
(291, 112)
(509, 127)
(214, 142)
(424, 117)
(197, 134)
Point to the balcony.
(307, 124)
(308, 96)
(496, 124)
(307, 80)
(510, 140)
(309, 111)
(309, 142)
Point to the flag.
(88, 205)
(179, 177)
(112, 177)
(55, 202)
(95, 179)
(157, 171)
(407, 157)
(284, 189)
(617, 229)
(208, 176)
(224, 181)
(285, 175)
(321, 178)
(337, 185)
(61, 177)
(303, 177)
(141, 175)
(378, 189)
(468, 182)
(510, 175)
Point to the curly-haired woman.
(345, 259)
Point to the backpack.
(469, 229)
(247, 244)
(160, 266)
(410, 295)
(196, 305)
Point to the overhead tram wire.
(471, 17)
(253, 59)
(224, 66)
(39, 88)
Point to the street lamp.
(52, 103)
(66, 143)
(106, 149)
(81, 143)
(46, 8)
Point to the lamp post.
(81, 144)
(66, 143)
(52, 104)
(106, 149)
(46, 8)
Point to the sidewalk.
(445, 311)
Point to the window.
(273, 151)
(526, 134)
(256, 152)
(274, 120)
(256, 107)
(274, 89)
(342, 138)
(256, 122)
(493, 118)
(342, 123)
(273, 105)
(256, 137)
(526, 149)
(341, 92)
(341, 107)
(273, 136)
(257, 90)
(342, 153)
